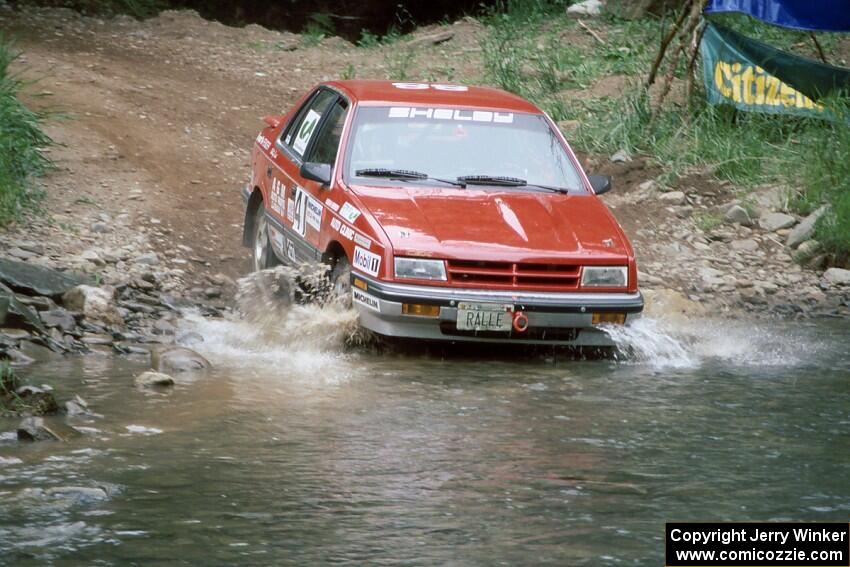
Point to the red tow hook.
(520, 322)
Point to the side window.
(327, 142)
(304, 127)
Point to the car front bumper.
(553, 318)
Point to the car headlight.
(417, 268)
(605, 276)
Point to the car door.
(295, 207)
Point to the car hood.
(490, 224)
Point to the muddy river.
(293, 451)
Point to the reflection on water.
(295, 451)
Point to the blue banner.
(809, 15)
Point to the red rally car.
(444, 212)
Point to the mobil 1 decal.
(366, 261)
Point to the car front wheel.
(262, 255)
(341, 282)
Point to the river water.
(295, 451)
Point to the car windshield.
(449, 143)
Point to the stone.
(148, 259)
(99, 227)
(806, 251)
(92, 256)
(736, 214)
(45, 429)
(805, 229)
(150, 378)
(15, 334)
(32, 279)
(35, 429)
(776, 221)
(96, 303)
(18, 358)
(177, 359)
(745, 245)
(37, 352)
(76, 406)
(163, 327)
(836, 277)
(97, 339)
(621, 156)
(586, 8)
(21, 254)
(59, 318)
(673, 198)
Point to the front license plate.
(484, 317)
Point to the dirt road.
(169, 106)
(163, 113)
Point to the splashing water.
(272, 328)
(689, 343)
(644, 341)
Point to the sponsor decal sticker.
(277, 197)
(290, 250)
(362, 241)
(290, 209)
(306, 131)
(332, 204)
(366, 300)
(299, 220)
(456, 114)
(349, 212)
(264, 142)
(314, 213)
(366, 261)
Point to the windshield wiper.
(404, 175)
(502, 181)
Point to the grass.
(22, 143)
(534, 50)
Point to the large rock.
(805, 229)
(738, 215)
(14, 312)
(673, 198)
(776, 221)
(45, 429)
(177, 359)
(586, 8)
(806, 251)
(32, 279)
(58, 318)
(150, 378)
(836, 276)
(96, 303)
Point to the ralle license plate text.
(484, 317)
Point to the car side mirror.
(273, 121)
(320, 172)
(600, 183)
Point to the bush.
(21, 143)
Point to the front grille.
(539, 334)
(510, 275)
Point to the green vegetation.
(21, 143)
(534, 50)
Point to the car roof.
(417, 93)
